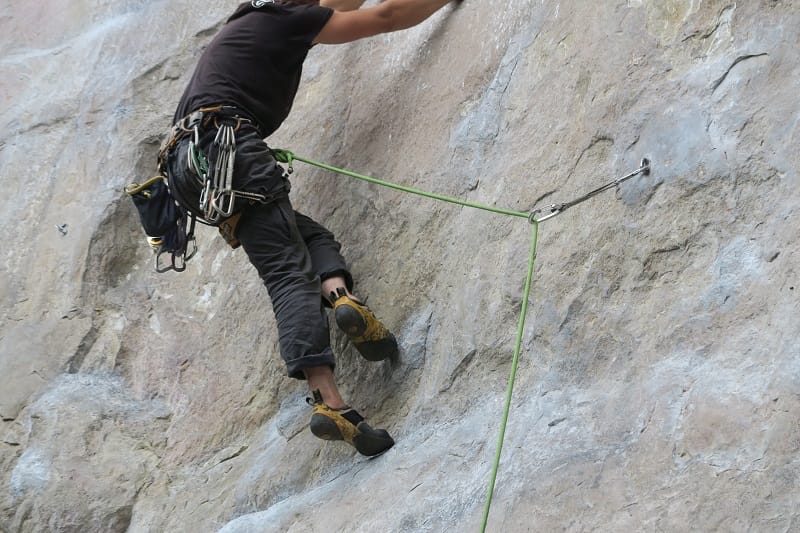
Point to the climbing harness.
(287, 157)
(218, 197)
(168, 226)
(219, 201)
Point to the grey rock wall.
(658, 381)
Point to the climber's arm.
(388, 16)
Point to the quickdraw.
(557, 209)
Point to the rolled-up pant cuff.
(295, 367)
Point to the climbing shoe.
(371, 338)
(347, 425)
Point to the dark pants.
(290, 251)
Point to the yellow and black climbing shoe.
(371, 338)
(347, 425)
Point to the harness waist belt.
(200, 119)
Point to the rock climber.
(240, 92)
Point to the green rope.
(514, 361)
(287, 157)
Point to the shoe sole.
(353, 324)
(370, 445)
(350, 321)
(325, 428)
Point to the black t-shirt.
(254, 63)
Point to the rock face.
(658, 381)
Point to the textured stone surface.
(659, 376)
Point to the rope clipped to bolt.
(288, 158)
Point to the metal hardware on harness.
(177, 260)
(218, 197)
(216, 203)
(557, 209)
(221, 200)
(197, 161)
(214, 171)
